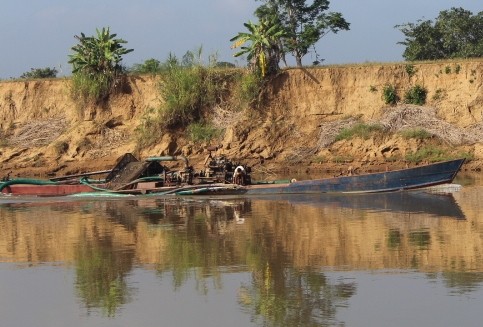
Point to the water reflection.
(285, 244)
(101, 270)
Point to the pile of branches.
(406, 117)
(38, 132)
(394, 120)
(108, 140)
(411, 117)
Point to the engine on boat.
(130, 172)
(222, 170)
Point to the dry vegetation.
(38, 133)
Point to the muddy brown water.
(398, 259)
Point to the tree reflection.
(201, 242)
(282, 296)
(461, 282)
(298, 298)
(101, 270)
(197, 245)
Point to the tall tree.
(456, 33)
(304, 23)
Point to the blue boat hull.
(398, 180)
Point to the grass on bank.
(416, 133)
(435, 154)
(360, 130)
(191, 92)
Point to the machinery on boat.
(222, 176)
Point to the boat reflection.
(283, 242)
(434, 204)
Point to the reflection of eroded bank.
(336, 234)
(207, 233)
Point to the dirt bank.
(43, 132)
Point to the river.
(397, 259)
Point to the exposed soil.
(44, 133)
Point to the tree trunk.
(298, 60)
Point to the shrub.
(359, 130)
(96, 65)
(190, 88)
(61, 147)
(90, 88)
(429, 153)
(416, 133)
(199, 132)
(150, 66)
(249, 86)
(149, 130)
(438, 95)
(182, 91)
(40, 73)
(389, 94)
(416, 95)
(411, 70)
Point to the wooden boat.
(222, 177)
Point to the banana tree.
(263, 51)
(96, 64)
(98, 55)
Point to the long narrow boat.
(131, 176)
(390, 181)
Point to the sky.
(40, 33)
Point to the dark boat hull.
(398, 180)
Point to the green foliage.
(303, 24)
(40, 73)
(447, 70)
(411, 70)
(416, 133)
(149, 130)
(438, 95)
(389, 94)
(429, 153)
(263, 52)
(190, 91)
(248, 89)
(90, 88)
(456, 33)
(200, 132)
(150, 66)
(183, 92)
(416, 95)
(360, 130)
(190, 88)
(342, 159)
(394, 239)
(96, 63)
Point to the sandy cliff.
(43, 131)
